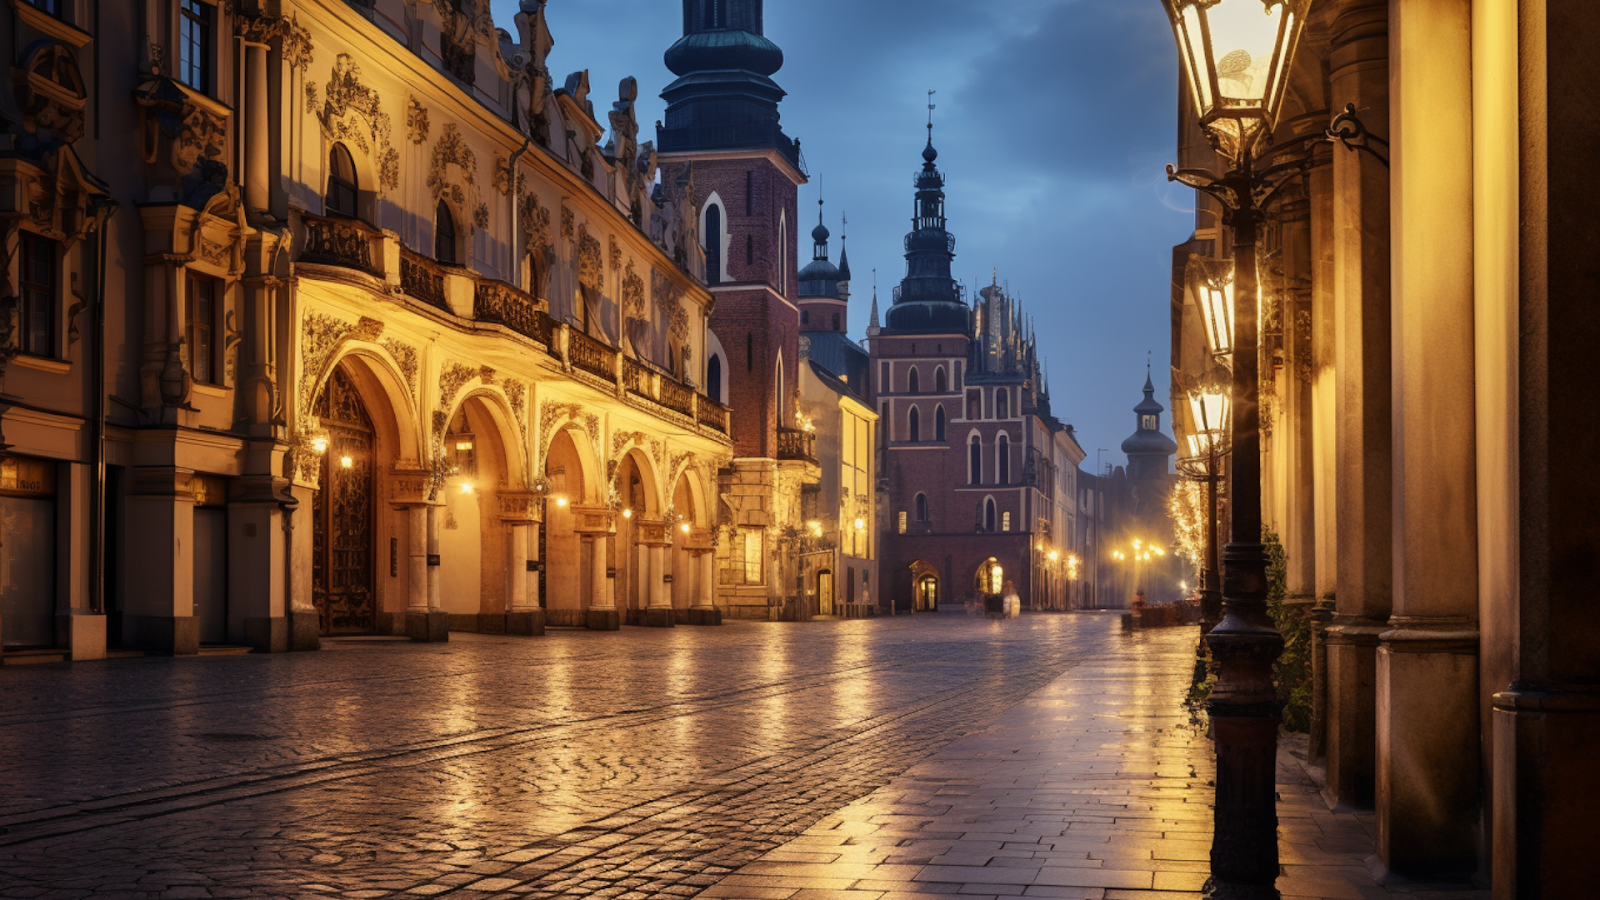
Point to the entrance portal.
(342, 513)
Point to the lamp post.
(1208, 406)
(1236, 55)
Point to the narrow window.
(714, 378)
(38, 285)
(914, 421)
(195, 40)
(1002, 450)
(835, 321)
(922, 507)
(988, 516)
(1005, 521)
(749, 249)
(938, 423)
(912, 384)
(201, 346)
(805, 317)
(342, 185)
(975, 461)
(884, 383)
(713, 244)
(1002, 404)
(749, 193)
(53, 7)
(444, 235)
(940, 384)
(749, 352)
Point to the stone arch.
(725, 238)
(385, 390)
(505, 429)
(570, 445)
(649, 477)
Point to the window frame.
(443, 213)
(197, 27)
(28, 288)
(196, 324)
(352, 186)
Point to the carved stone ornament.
(416, 121)
(535, 222)
(568, 223)
(322, 336)
(345, 94)
(298, 51)
(632, 293)
(452, 150)
(591, 261)
(50, 97)
(180, 132)
(517, 396)
(480, 216)
(405, 356)
(454, 377)
(1302, 337)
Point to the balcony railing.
(794, 443)
(636, 379)
(589, 355)
(677, 398)
(422, 279)
(711, 414)
(501, 304)
(334, 241)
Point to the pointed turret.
(928, 299)
(724, 97)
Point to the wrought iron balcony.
(590, 355)
(711, 414)
(518, 310)
(794, 443)
(422, 279)
(677, 397)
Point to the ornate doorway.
(342, 513)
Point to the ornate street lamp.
(1237, 55)
(1211, 283)
(1209, 411)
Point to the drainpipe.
(105, 209)
(511, 241)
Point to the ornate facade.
(390, 341)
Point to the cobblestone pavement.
(650, 763)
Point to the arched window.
(922, 507)
(974, 405)
(836, 328)
(938, 423)
(914, 422)
(1002, 403)
(714, 378)
(343, 188)
(975, 461)
(1002, 453)
(444, 235)
(988, 514)
(940, 384)
(713, 244)
(913, 385)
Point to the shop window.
(200, 347)
(39, 292)
(444, 235)
(343, 188)
(197, 44)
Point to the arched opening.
(914, 425)
(567, 557)
(343, 511)
(474, 542)
(445, 243)
(639, 535)
(913, 385)
(940, 383)
(343, 194)
(713, 244)
(938, 422)
(989, 522)
(991, 577)
(692, 564)
(1002, 456)
(924, 586)
(824, 588)
(714, 378)
(922, 508)
(975, 461)
(1002, 403)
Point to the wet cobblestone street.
(642, 764)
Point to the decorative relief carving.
(535, 221)
(568, 223)
(322, 335)
(405, 356)
(486, 375)
(1302, 337)
(416, 121)
(632, 293)
(451, 149)
(50, 94)
(480, 215)
(616, 253)
(179, 131)
(591, 263)
(451, 381)
(298, 51)
(517, 396)
(346, 94)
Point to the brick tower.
(723, 137)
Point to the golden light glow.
(861, 524)
(320, 443)
(347, 462)
(464, 444)
(1055, 555)
(684, 527)
(627, 514)
(466, 487)
(561, 501)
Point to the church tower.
(722, 140)
(824, 287)
(722, 134)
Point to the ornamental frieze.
(535, 221)
(517, 396)
(345, 93)
(405, 356)
(452, 380)
(451, 149)
(321, 337)
(591, 262)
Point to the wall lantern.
(1235, 55)
(1209, 409)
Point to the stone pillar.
(424, 621)
(1536, 129)
(1363, 460)
(79, 629)
(703, 609)
(660, 614)
(159, 608)
(257, 148)
(1428, 787)
(258, 595)
(523, 616)
(305, 622)
(596, 527)
(1324, 443)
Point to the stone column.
(257, 148)
(1324, 443)
(1363, 459)
(159, 609)
(603, 615)
(81, 630)
(1428, 772)
(1537, 278)
(424, 622)
(305, 622)
(703, 610)
(523, 616)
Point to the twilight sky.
(1055, 119)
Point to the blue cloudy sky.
(1055, 119)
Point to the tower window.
(938, 423)
(940, 383)
(1149, 423)
(922, 507)
(975, 461)
(835, 321)
(749, 249)
(196, 40)
(914, 420)
(1002, 404)
(1002, 450)
(713, 244)
(913, 386)
(988, 516)
(805, 317)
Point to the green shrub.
(1293, 669)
